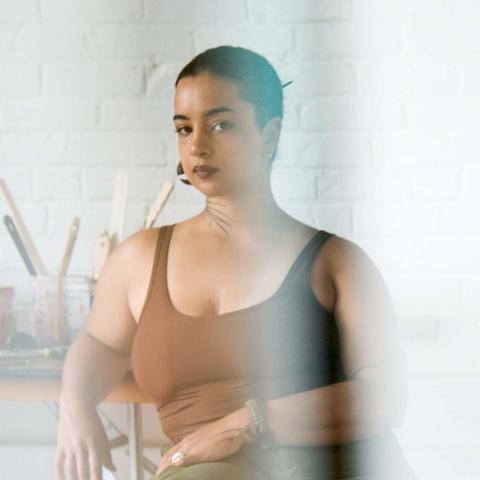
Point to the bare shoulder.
(120, 285)
(339, 264)
(137, 258)
(339, 254)
(137, 246)
(348, 272)
(133, 258)
(344, 258)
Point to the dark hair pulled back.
(256, 79)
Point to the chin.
(209, 188)
(216, 186)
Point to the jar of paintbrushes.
(60, 307)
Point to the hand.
(82, 445)
(212, 442)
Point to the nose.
(199, 146)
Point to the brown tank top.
(199, 369)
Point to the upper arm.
(110, 320)
(363, 310)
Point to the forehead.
(207, 91)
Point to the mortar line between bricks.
(38, 8)
(98, 115)
(248, 13)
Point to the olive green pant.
(375, 459)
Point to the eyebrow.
(208, 113)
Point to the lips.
(204, 169)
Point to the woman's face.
(217, 129)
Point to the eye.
(183, 131)
(221, 126)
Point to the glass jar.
(60, 308)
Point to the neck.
(248, 215)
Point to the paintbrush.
(103, 247)
(69, 244)
(12, 230)
(108, 240)
(22, 229)
(157, 206)
(60, 330)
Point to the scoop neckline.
(240, 311)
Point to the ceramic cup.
(6, 312)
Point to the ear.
(271, 135)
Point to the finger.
(59, 460)
(162, 466)
(165, 463)
(98, 460)
(187, 459)
(110, 465)
(71, 467)
(170, 452)
(166, 459)
(177, 462)
(95, 465)
(83, 467)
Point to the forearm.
(90, 372)
(338, 413)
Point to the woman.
(268, 346)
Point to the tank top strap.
(160, 263)
(301, 270)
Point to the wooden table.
(48, 390)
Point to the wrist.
(259, 424)
(76, 405)
(240, 419)
(246, 421)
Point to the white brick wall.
(101, 11)
(381, 136)
(22, 11)
(89, 80)
(291, 11)
(39, 114)
(17, 80)
(195, 13)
